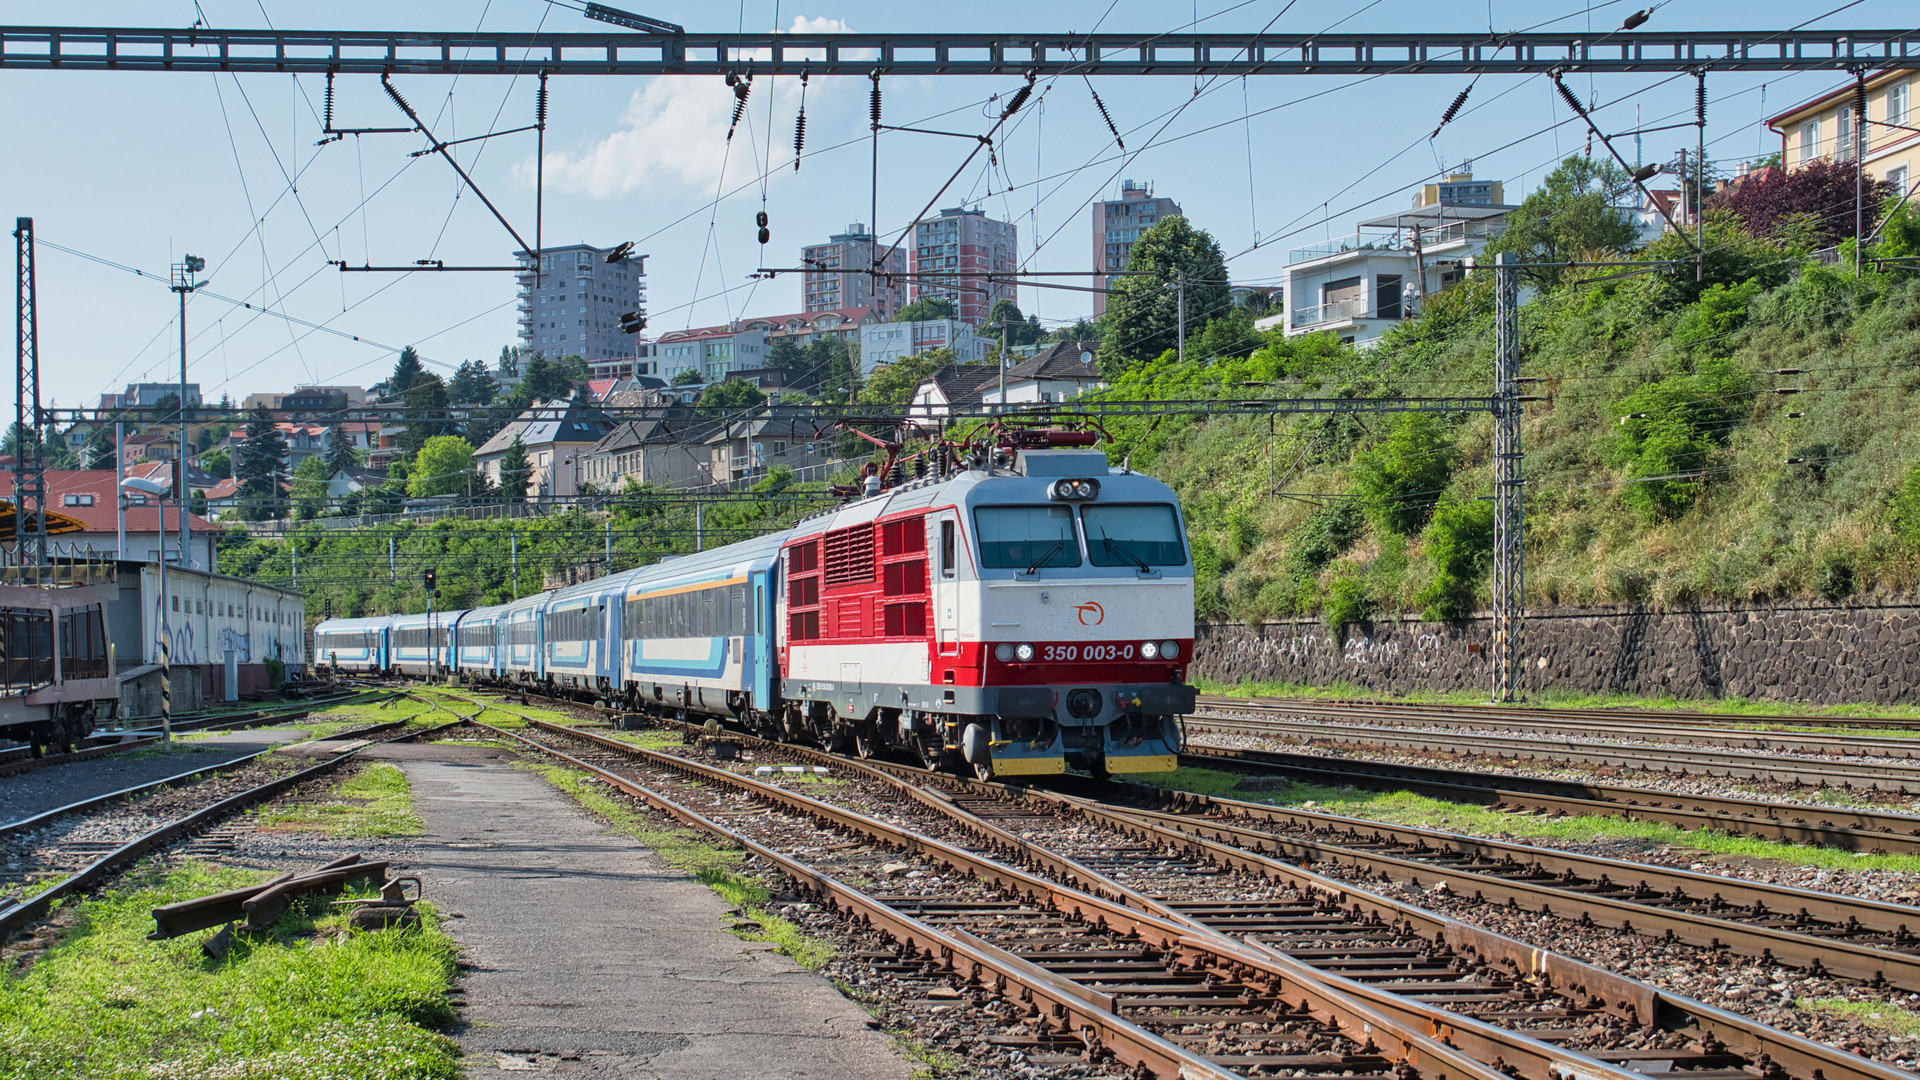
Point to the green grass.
(662, 741)
(1569, 699)
(1880, 1016)
(1406, 808)
(376, 801)
(684, 849)
(107, 1004)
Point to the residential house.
(663, 452)
(1117, 225)
(717, 351)
(1061, 372)
(966, 258)
(308, 398)
(1361, 286)
(88, 496)
(887, 343)
(1824, 128)
(746, 449)
(556, 435)
(956, 386)
(222, 498)
(375, 444)
(347, 481)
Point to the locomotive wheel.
(866, 741)
(983, 770)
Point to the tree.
(687, 377)
(309, 488)
(510, 359)
(405, 371)
(1143, 312)
(516, 473)
(833, 364)
(574, 367)
(218, 463)
(261, 467)
(1021, 329)
(1400, 479)
(340, 455)
(98, 451)
(1574, 214)
(444, 466)
(784, 352)
(1081, 330)
(731, 396)
(472, 384)
(1817, 197)
(426, 398)
(542, 380)
(895, 383)
(925, 308)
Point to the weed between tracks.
(306, 999)
(376, 801)
(1566, 699)
(1406, 808)
(684, 849)
(1874, 1014)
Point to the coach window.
(946, 548)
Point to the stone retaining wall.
(1797, 653)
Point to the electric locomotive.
(1018, 609)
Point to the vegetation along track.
(20, 759)
(1850, 775)
(1501, 1001)
(1707, 727)
(1845, 827)
(74, 847)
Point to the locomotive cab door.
(944, 539)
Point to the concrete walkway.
(588, 956)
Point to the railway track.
(52, 865)
(19, 759)
(1849, 776)
(1848, 828)
(1516, 716)
(1401, 960)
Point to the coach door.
(760, 653)
(943, 538)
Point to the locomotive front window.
(1026, 537)
(1140, 535)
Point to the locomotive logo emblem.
(1091, 613)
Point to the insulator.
(540, 103)
(1700, 101)
(873, 101)
(329, 124)
(799, 136)
(395, 95)
(1572, 102)
(1105, 115)
(740, 92)
(732, 79)
(1453, 110)
(760, 219)
(1859, 100)
(1018, 99)
(765, 235)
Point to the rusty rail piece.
(1255, 986)
(1845, 776)
(27, 911)
(1723, 1037)
(260, 904)
(1520, 716)
(1814, 931)
(1845, 827)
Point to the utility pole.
(29, 455)
(295, 552)
(1509, 527)
(183, 284)
(1006, 327)
(1700, 177)
(393, 577)
(1180, 289)
(513, 541)
(119, 494)
(1859, 167)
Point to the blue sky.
(139, 168)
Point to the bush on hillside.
(1459, 543)
(1401, 478)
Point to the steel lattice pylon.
(1509, 522)
(29, 462)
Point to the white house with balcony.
(1359, 286)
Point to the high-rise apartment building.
(968, 245)
(576, 308)
(1117, 224)
(824, 289)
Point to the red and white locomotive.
(1023, 612)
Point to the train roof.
(492, 611)
(712, 564)
(372, 622)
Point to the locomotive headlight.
(1073, 489)
(1003, 652)
(1023, 652)
(1170, 650)
(1148, 650)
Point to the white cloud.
(672, 135)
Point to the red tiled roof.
(777, 327)
(100, 517)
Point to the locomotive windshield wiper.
(1121, 551)
(1051, 552)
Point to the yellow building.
(1823, 128)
